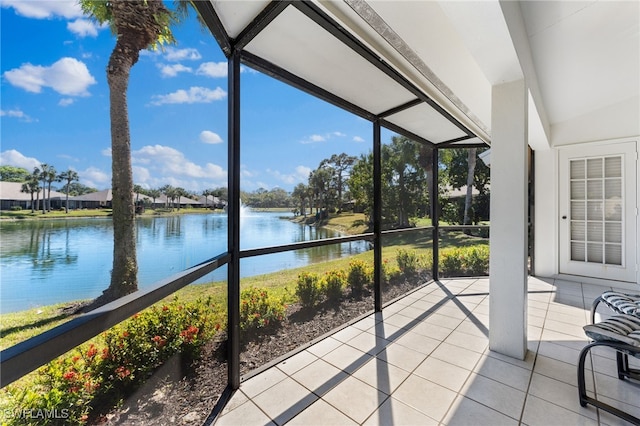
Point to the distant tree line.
(340, 182)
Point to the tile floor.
(425, 361)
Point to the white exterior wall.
(546, 213)
(547, 217)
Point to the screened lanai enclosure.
(431, 86)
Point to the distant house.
(162, 201)
(211, 201)
(93, 200)
(12, 197)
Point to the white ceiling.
(581, 60)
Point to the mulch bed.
(180, 394)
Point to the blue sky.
(55, 108)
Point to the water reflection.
(51, 261)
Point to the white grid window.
(596, 210)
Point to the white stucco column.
(508, 263)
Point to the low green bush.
(259, 309)
(465, 261)
(308, 289)
(408, 262)
(334, 281)
(360, 275)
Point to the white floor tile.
(347, 358)
(285, 400)
(381, 375)
(343, 397)
(466, 411)
(245, 414)
(319, 377)
(538, 412)
(500, 397)
(443, 373)
(425, 396)
(394, 412)
(456, 355)
(321, 413)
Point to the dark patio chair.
(620, 303)
(621, 333)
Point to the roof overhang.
(342, 53)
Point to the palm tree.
(45, 174)
(35, 176)
(471, 164)
(68, 176)
(137, 25)
(206, 194)
(50, 177)
(31, 186)
(154, 193)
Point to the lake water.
(52, 261)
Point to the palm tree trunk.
(471, 164)
(124, 278)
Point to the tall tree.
(339, 165)
(45, 173)
(51, 176)
(300, 193)
(14, 174)
(137, 25)
(35, 176)
(319, 182)
(471, 167)
(154, 193)
(68, 176)
(31, 186)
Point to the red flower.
(125, 334)
(122, 372)
(159, 341)
(165, 308)
(92, 351)
(75, 358)
(69, 375)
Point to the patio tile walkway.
(425, 361)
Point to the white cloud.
(358, 139)
(84, 28)
(106, 152)
(45, 9)
(207, 136)
(12, 157)
(321, 138)
(313, 139)
(246, 173)
(213, 69)
(173, 54)
(94, 177)
(303, 171)
(300, 174)
(65, 102)
(168, 161)
(192, 96)
(68, 76)
(16, 113)
(141, 176)
(173, 70)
